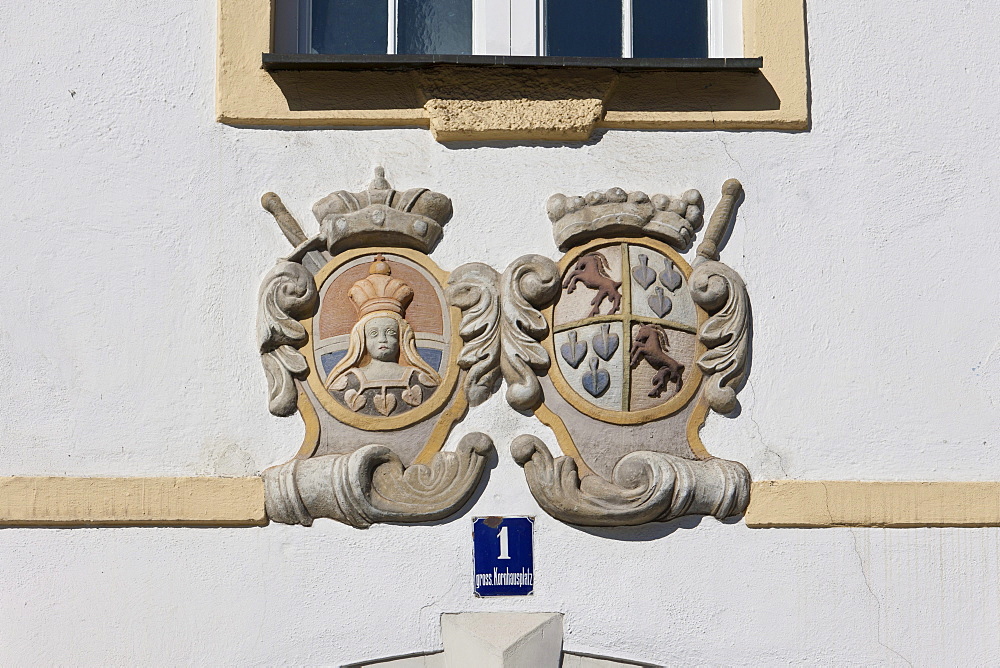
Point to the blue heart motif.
(642, 274)
(605, 343)
(660, 303)
(573, 352)
(596, 381)
(670, 277)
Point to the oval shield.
(625, 331)
(381, 348)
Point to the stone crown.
(382, 216)
(380, 291)
(615, 212)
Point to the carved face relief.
(382, 340)
(625, 331)
(382, 337)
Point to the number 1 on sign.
(504, 544)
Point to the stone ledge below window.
(480, 98)
(279, 62)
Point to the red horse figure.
(592, 270)
(650, 342)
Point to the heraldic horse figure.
(592, 270)
(650, 343)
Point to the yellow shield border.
(452, 370)
(669, 407)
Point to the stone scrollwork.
(644, 487)
(726, 333)
(530, 283)
(502, 326)
(627, 320)
(287, 295)
(474, 288)
(354, 328)
(371, 485)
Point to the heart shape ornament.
(573, 351)
(596, 381)
(670, 277)
(385, 402)
(605, 343)
(659, 302)
(642, 274)
(354, 400)
(413, 396)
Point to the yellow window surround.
(470, 103)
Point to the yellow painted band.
(236, 502)
(79, 502)
(842, 503)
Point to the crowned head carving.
(380, 291)
(382, 370)
(381, 216)
(618, 213)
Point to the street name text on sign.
(502, 554)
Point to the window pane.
(435, 26)
(350, 26)
(583, 28)
(669, 28)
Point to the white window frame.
(517, 27)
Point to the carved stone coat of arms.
(364, 344)
(641, 345)
(621, 349)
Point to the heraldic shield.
(358, 335)
(641, 345)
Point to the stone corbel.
(371, 485)
(644, 487)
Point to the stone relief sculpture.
(626, 355)
(370, 346)
(621, 349)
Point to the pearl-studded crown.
(381, 216)
(618, 213)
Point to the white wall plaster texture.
(134, 245)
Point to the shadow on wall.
(641, 91)
(652, 530)
(692, 91)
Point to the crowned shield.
(640, 346)
(360, 335)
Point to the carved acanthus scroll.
(474, 288)
(530, 283)
(644, 487)
(726, 333)
(287, 295)
(371, 485)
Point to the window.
(563, 28)
(265, 77)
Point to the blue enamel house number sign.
(502, 554)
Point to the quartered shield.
(641, 345)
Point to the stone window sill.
(281, 62)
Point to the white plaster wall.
(134, 243)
